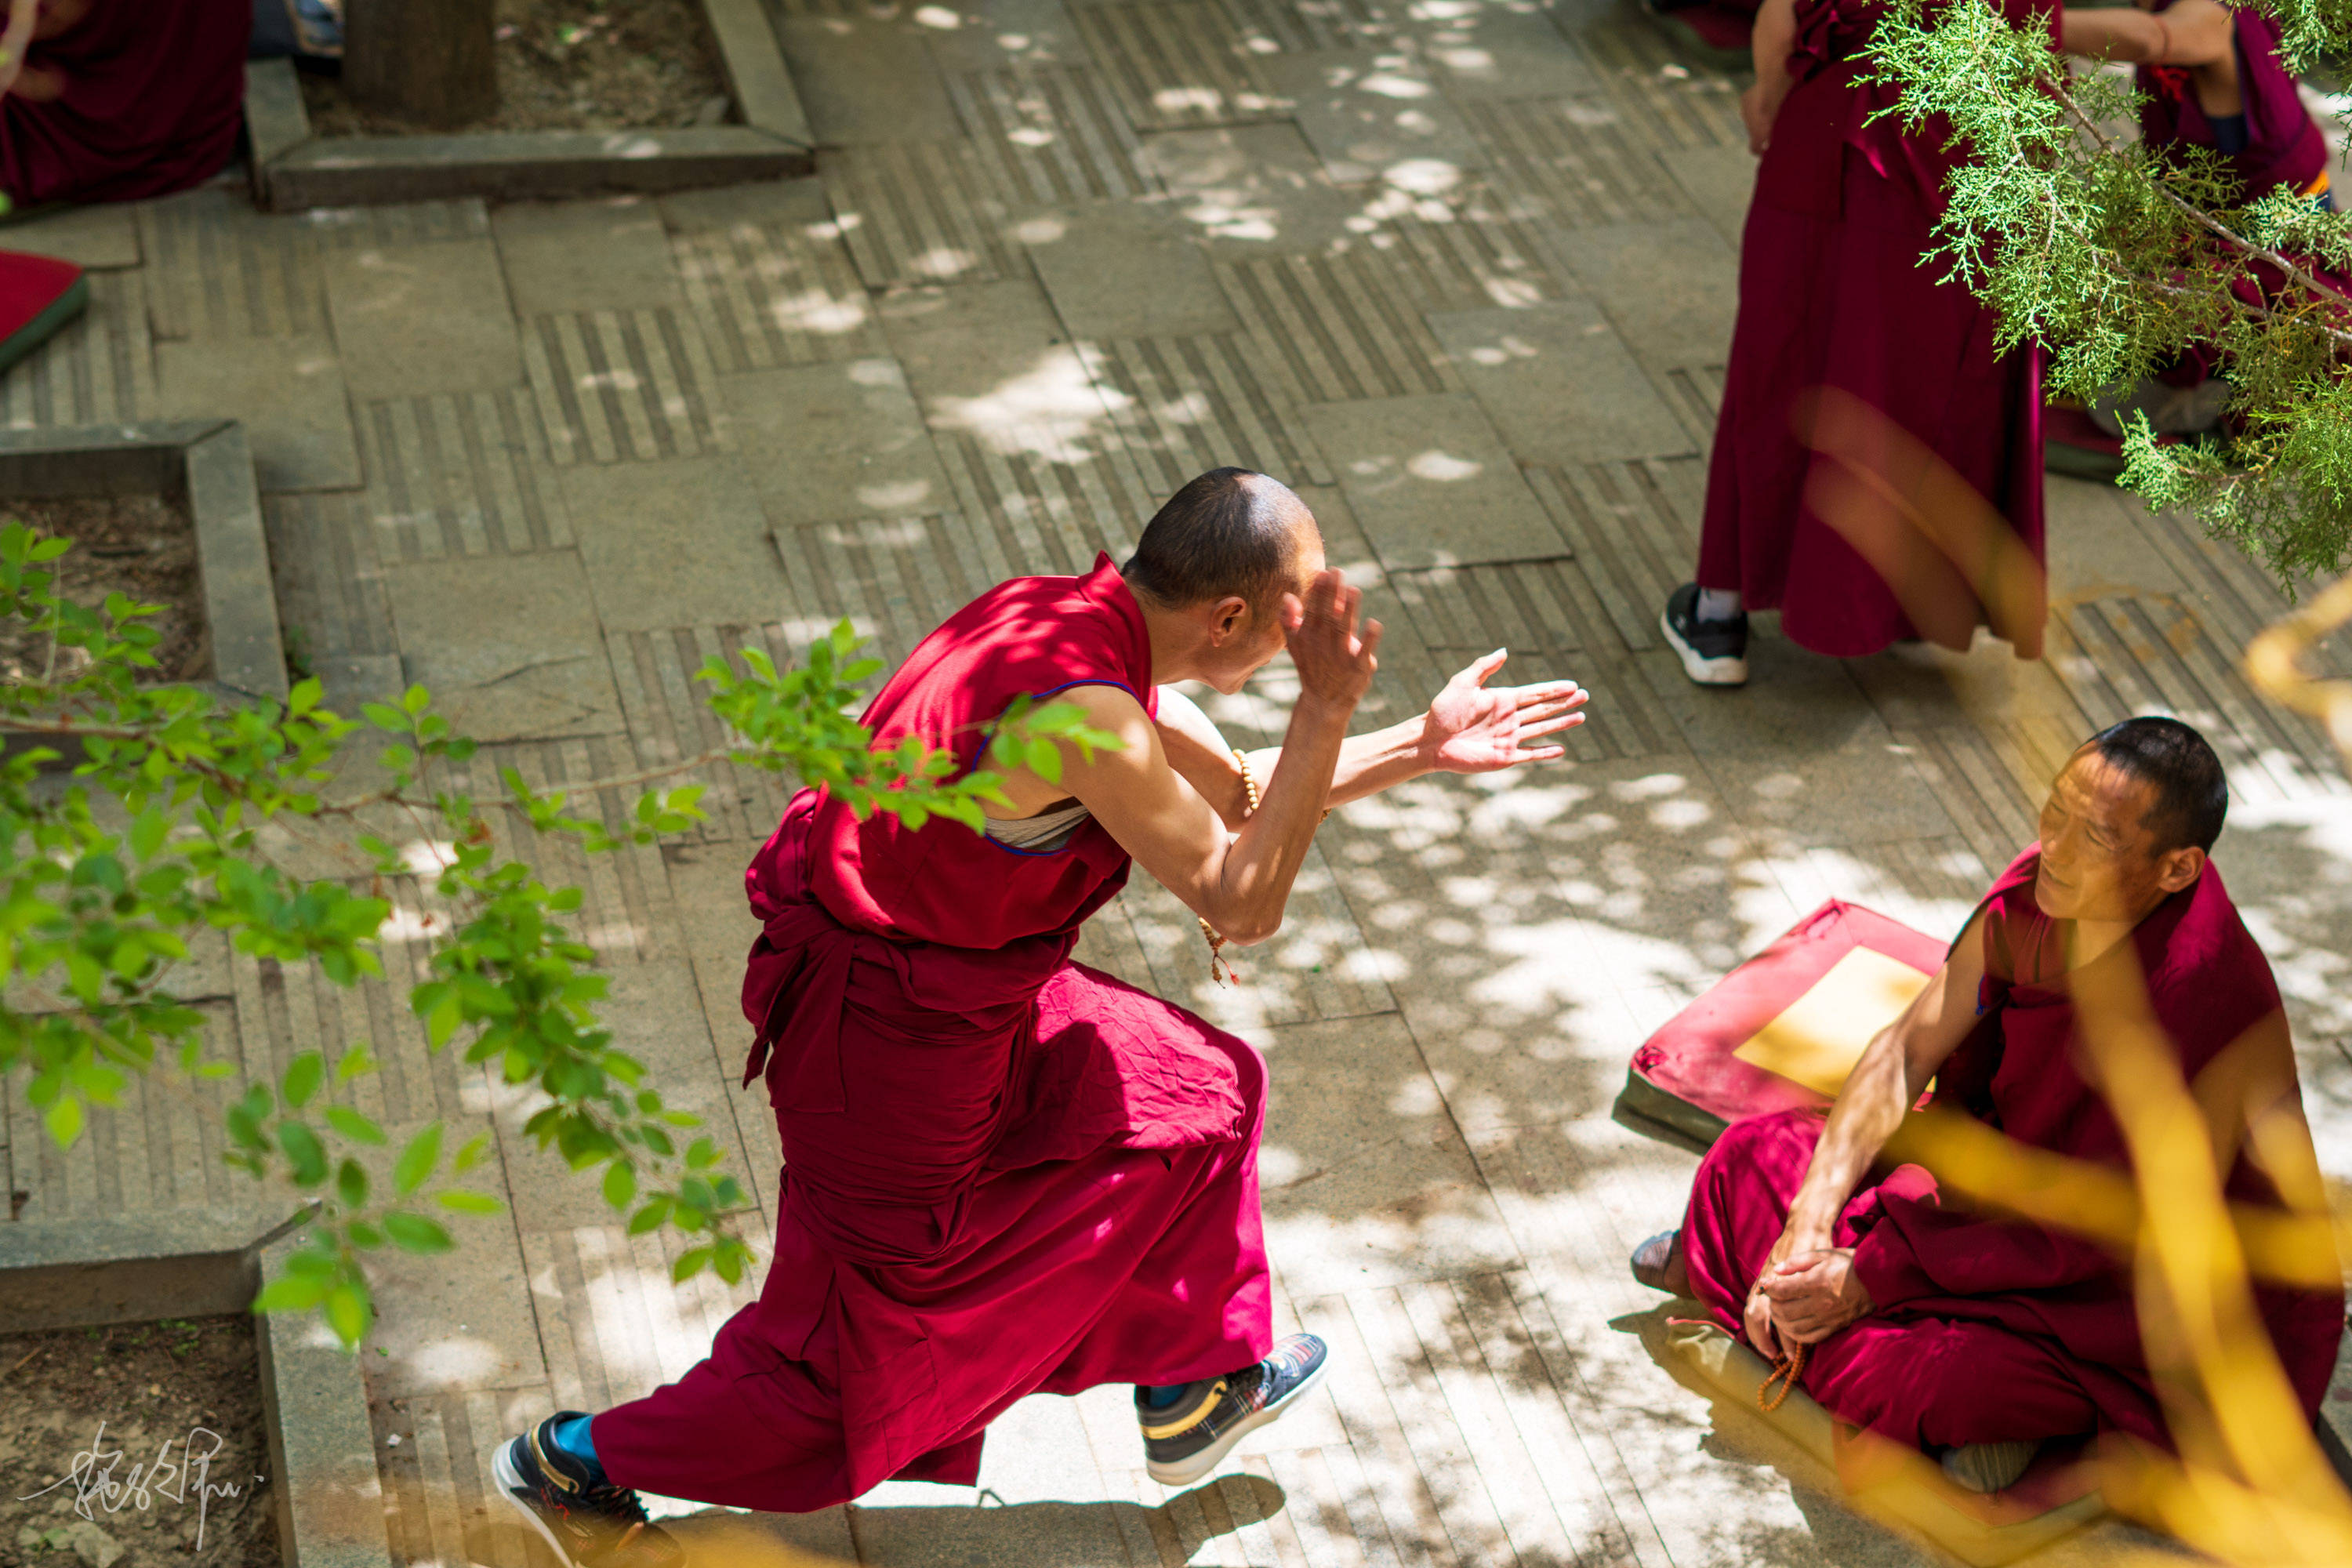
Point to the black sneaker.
(1713, 653)
(1186, 1440)
(589, 1522)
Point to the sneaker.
(1186, 1440)
(589, 1522)
(1713, 653)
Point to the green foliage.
(191, 820)
(2117, 258)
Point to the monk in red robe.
(109, 100)
(1006, 1173)
(1969, 1335)
(2212, 77)
(1877, 467)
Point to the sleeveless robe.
(1987, 1329)
(152, 97)
(2284, 146)
(1005, 1173)
(1843, 331)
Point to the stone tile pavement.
(1459, 269)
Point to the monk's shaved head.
(1231, 532)
(2192, 793)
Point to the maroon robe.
(1005, 1173)
(2283, 145)
(1987, 1329)
(1833, 294)
(150, 97)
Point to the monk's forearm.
(1868, 1111)
(1774, 36)
(1368, 763)
(2110, 34)
(1255, 874)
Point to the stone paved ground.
(1463, 272)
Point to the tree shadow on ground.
(1028, 1535)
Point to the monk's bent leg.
(1739, 1203)
(1200, 1302)
(1938, 1383)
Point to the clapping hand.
(1472, 728)
(1335, 660)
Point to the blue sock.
(572, 1436)
(1159, 1396)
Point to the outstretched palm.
(1473, 729)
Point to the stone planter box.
(205, 1262)
(294, 171)
(206, 464)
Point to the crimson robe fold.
(1989, 1329)
(1876, 473)
(128, 98)
(1005, 1173)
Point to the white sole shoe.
(510, 1482)
(1183, 1472)
(1703, 670)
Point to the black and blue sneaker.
(1713, 653)
(1189, 1435)
(588, 1520)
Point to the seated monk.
(108, 101)
(1966, 1334)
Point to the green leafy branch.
(2117, 259)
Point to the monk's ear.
(2180, 868)
(1228, 618)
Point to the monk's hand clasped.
(1473, 728)
(1812, 1295)
(1334, 660)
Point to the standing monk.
(1877, 467)
(1971, 1335)
(1007, 1174)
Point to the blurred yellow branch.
(2274, 662)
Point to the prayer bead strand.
(1789, 1368)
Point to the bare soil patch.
(571, 65)
(180, 1401)
(145, 546)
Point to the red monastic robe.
(1987, 1329)
(1833, 294)
(151, 95)
(1005, 1173)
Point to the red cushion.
(1687, 1076)
(29, 285)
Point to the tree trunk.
(425, 60)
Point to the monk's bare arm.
(1775, 34)
(1885, 1084)
(2189, 33)
(1470, 727)
(1806, 1288)
(1238, 882)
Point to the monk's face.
(2100, 858)
(1244, 638)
